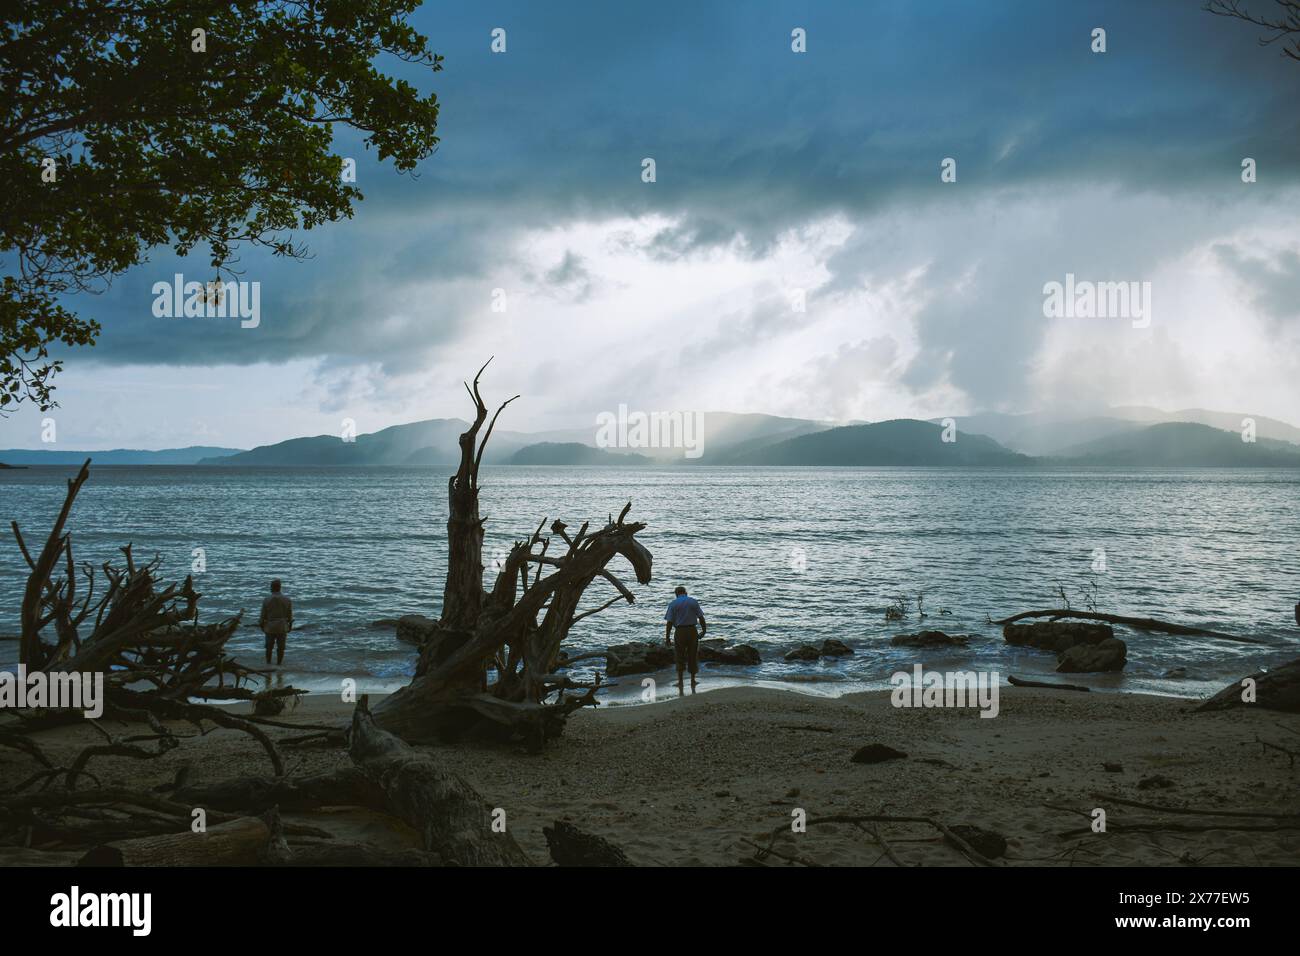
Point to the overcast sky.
(776, 172)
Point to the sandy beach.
(686, 781)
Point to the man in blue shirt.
(682, 614)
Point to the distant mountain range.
(1128, 436)
(191, 455)
(435, 442)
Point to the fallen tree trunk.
(452, 817)
(23, 856)
(238, 843)
(1140, 623)
(347, 786)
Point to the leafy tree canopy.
(122, 128)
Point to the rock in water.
(1110, 655)
(714, 651)
(638, 657)
(876, 753)
(1275, 689)
(805, 653)
(1056, 635)
(930, 639)
(569, 846)
(834, 648)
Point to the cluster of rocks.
(641, 657)
(811, 652)
(1080, 646)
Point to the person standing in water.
(683, 613)
(276, 621)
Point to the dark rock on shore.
(876, 753)
(805, 653)
(1081, 646)
(1275, 689)
(987, 843)
(930, 639)
(570, 846)
(641, 657)
(1056, 635)
(834, 648)
(1155, 782)
(1109, 655)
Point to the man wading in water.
(276, 621)
(682, 614)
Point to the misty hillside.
(1038, 433)
(1265, 427)
(1185, 445)
(435, 442)
(902, 441)
(719, 432)
(574, 453)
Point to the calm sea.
(777, 557)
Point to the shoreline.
(686, 781)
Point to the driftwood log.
(452, 817)
(142, 638)
(238, 843)
(455, 823)
(490, 662)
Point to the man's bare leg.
(681, 691)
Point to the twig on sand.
(856, 819)
(767, 851)
(875, 834)
(1161, 808)
(1269, 745)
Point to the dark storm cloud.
(749, 140)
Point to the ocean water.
(777, 557)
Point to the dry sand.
(686, 780)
